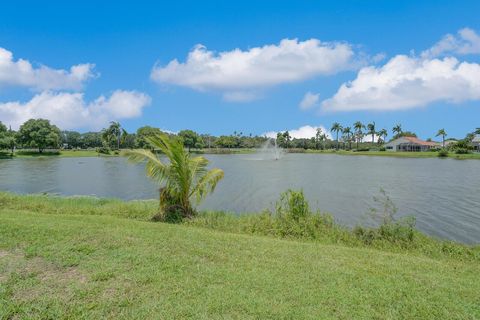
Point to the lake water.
(443, 194)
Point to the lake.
(443, 194)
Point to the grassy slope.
(59, 154)
(399, 154)
(95, 266)
(67, 258)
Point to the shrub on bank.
(443, 153)
(292, 218)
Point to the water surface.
(443, 194)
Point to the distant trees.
(191, 139)
(442, 133)
(91, 140)
(39, 133)
(143, 133)
(382, 134)
(336, 127)
(347, 131)
(71, 139)
(371, 130)
(7, 138)
(318, 138)
(397, 129)
(358, 126)
(113, 135)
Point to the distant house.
(410, 144)
(476, 142)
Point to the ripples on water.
(443, 194)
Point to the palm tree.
(324, 139)
(348, 131)
(336, 127)
(442, 133)
(287, 137)
(318, 138)
(477, 131)
(383, 134)
(114, 131)
(371, 130)
(358, 126)
(397, 129)
(183, 179)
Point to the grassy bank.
(79, 258)
(400, 154)
(59, 154)
(316, 227)
(93, 153)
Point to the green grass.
(59, 154)
(69, 266)
(99, 258)
(400, 154)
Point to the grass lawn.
(60, 154)
(68, 258)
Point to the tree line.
(40, 134)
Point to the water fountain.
(270, 150)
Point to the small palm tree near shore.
(442, 133)
(185, 180)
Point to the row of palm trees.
(357, 133)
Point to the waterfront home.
(410, 144)
(476, 142)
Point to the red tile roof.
(421, 142)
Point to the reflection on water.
(443, 194)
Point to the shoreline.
(206, 218)
(93, 153)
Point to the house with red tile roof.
(476, 142)
(410, 144)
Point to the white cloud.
(309, 100)
(22, 73)
(301, 133)
(466, 41)
(236, 71)
(406, 82)
(70, 111)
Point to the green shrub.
(462, 151)
(443, 153)
(103, 150)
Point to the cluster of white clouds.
(22, 73)
(304, 132)
(466, 41)
(402, 82)
(56, 101)
(69, 110)
(239, 75)
(406, 82)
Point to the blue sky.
(127, 41)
